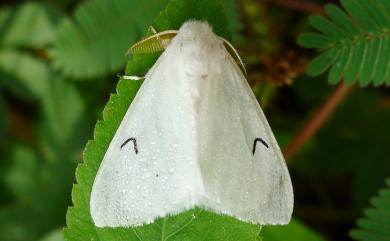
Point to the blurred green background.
(58, 68)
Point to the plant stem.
(300, 6)
(317, 121)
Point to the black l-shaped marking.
(254, 144)
(134, 143)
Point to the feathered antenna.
(154, 43)
(234, 53)
(159, 41)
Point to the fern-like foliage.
(376, 225)
(95, 42)
(29, 25)
(354, 44)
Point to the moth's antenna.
(154, 43)
(234, 53)
(159, 42)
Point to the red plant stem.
(300, 6)
(317, 121)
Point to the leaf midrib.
(352, 41)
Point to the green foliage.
(233, 18)
(55, 235)
(39, 181)
(39, 189)
(376, 225)
(28, 25)
(45, 118)
(178, 11)
(342, 147)
(294, 231)
(354, 45)
(24, 74)
(37, 169)
(3, 120)
(95, 42)
(63, 108)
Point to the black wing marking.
(134, 143)
(255, 142)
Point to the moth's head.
(197, 29)
(194, 39)
(198, 38)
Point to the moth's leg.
(131, 77)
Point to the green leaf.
(23, 74)
(40, 189)
(313, 40)
(179, 11)
(95, 42)
(375, 226)
(294, 231)
(191, 225)
(360, 53)
(63, 108)
(40, 181)
(338, 67)
(55, 235)
(28, 25)
(358, 36)
(28, 76)
(21, 177)
(233, 18)
(382, 72)
(321, 63)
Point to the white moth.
(193, 136)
